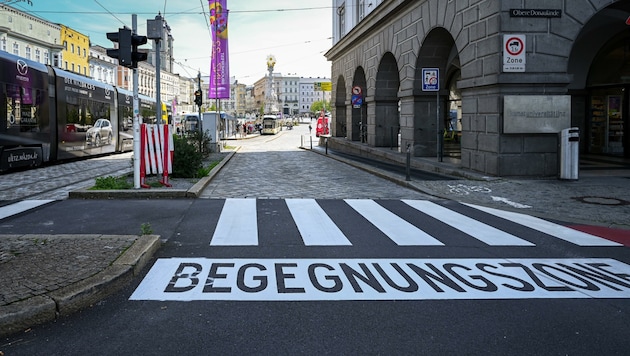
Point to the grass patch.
(111, 183)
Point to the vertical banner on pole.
(220, 63)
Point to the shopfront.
(609, 86)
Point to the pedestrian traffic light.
(137, 55)
(123, 52)
(198, 99)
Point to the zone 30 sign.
(180, 279)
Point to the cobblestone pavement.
(275, 167)
(53, 262)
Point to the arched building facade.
(509, 77)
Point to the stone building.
(487, 84)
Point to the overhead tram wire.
(109, 12)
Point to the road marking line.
(234, 227)
(397, 229)
(20, 207)
(478, 230)
(562, 232)
(316, 227)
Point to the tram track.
(54, 182)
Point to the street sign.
(322, 86)
(514, 53)
(357, 97)
(430, 79)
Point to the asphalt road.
(268, 291)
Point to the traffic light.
(137, 55)
(123, 52)
(198, 99)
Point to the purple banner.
(220, 65)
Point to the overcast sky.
(297, 33)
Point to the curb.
(64, 301)
(167, 193)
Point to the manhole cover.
(602, 200)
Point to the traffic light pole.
(136, 118)
(158, 99)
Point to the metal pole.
(199, 88)
(437, 126)
(408, 166)
(136, 117)
(158, 100)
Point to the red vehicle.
(322, 126)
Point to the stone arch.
(608, 23)
(339, 129)
(384, 131)
(600, 66)
(439, 51)
(359, 115)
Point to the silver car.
(99, 134)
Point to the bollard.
(408, 167)
(326, 140)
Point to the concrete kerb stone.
(64, 301)
(196, 189)
(193, 192)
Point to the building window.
(46, 58)
(16, 49)
(341, 16)
(28, 52)
(3, 44)
(72, 47)
(38, 55)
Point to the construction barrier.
(156, 153)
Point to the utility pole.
(200, 101)
(136, 116)
(155, 29)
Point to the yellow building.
(76, 51)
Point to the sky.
(297, 33)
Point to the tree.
(317, 106)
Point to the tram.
(271, 125)
(53, 115)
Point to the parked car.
(100, 133)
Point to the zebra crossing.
(425, 223)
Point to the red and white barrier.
(157, 152)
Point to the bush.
(187, 159)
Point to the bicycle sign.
(430, 79)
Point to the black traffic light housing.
(198, 99)
(123, 52)
(137, 55)
(127, 53)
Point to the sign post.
(431, 82)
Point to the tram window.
(22, 108)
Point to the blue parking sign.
(430, 79)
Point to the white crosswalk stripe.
(397, 229)
(482, 232)
(22, 206)
(230, 230)
(562, 232)
(316, 227)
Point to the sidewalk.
(103, 264)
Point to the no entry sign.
(514, 53)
